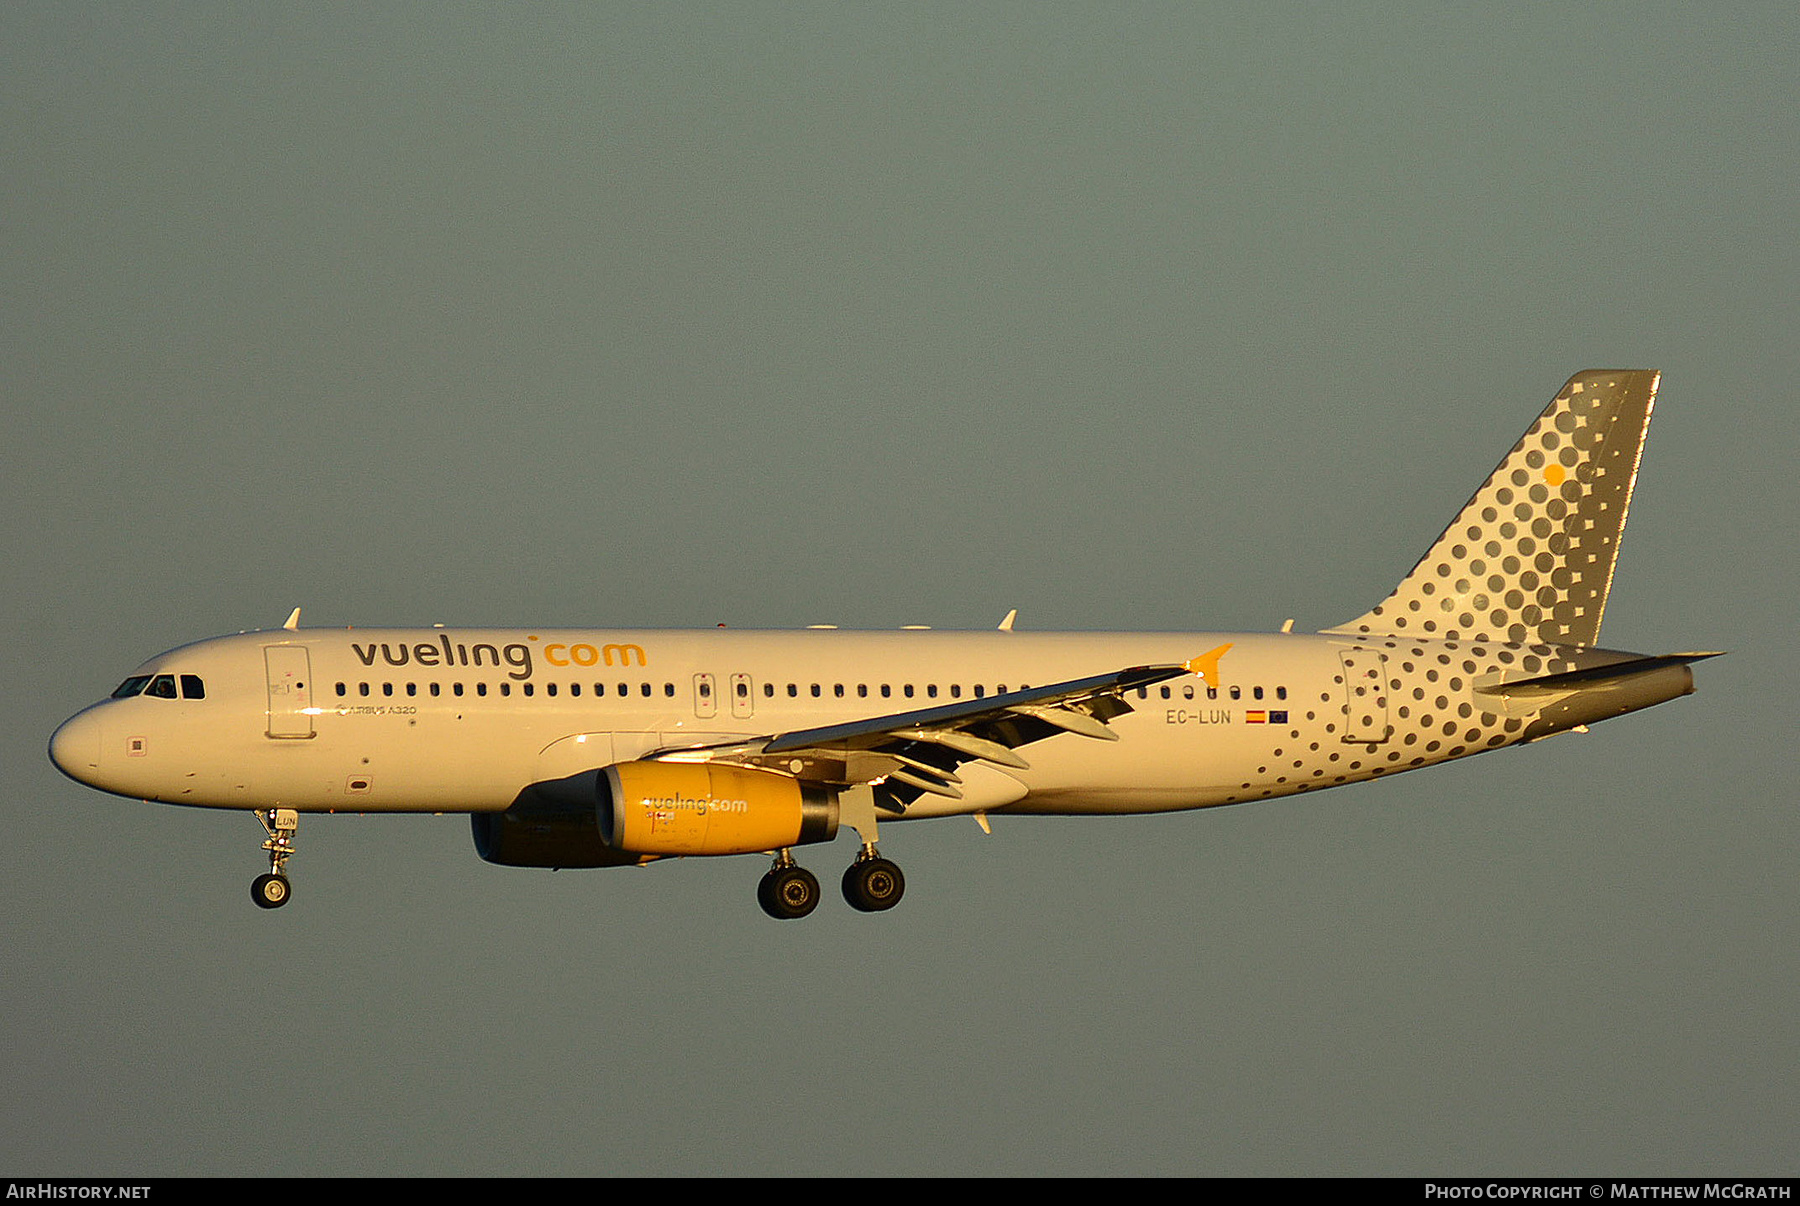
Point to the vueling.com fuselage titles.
(515, 656)
(609, 747)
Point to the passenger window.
(931, 690)
(456, 688)
(793, 690)
(669, 690)
(341, 689)
(362, 688)
(886, 691)
(162, 686)
(530, 689)
(481, 688)
(815, 690)
(387, 688)
(907, 690)
(550, 689)
(434, 688)
(1237, 693)
(506, 689)
(412, 688)
(862, 690)
(768, 690)
(838, 690)
(1256, 692)
(1280, 692)
(646, 690)
(1166, 693)
(135, 686)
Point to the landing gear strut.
(271, 891)
(788, 891)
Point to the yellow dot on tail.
(1553, 473)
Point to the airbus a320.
(605, 747)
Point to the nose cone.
(75, 747)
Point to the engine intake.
(551, 824)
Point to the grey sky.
(1134, 316)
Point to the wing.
(909, 754)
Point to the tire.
(788, 893)
(269, 891)
(873, 885)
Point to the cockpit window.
(192, 687)
(162, 686)
(131, 686)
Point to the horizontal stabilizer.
(1593, 678)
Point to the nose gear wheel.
(271, 891)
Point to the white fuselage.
(461, 720)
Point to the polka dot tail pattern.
(1530, 558)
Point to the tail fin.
(1530, 558)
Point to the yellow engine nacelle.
(698, 808)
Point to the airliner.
(609, 747)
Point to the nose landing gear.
(271, 891)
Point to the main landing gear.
(789, 891)
(271, 891)
(872, 884)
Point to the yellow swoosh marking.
(1207, 665)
